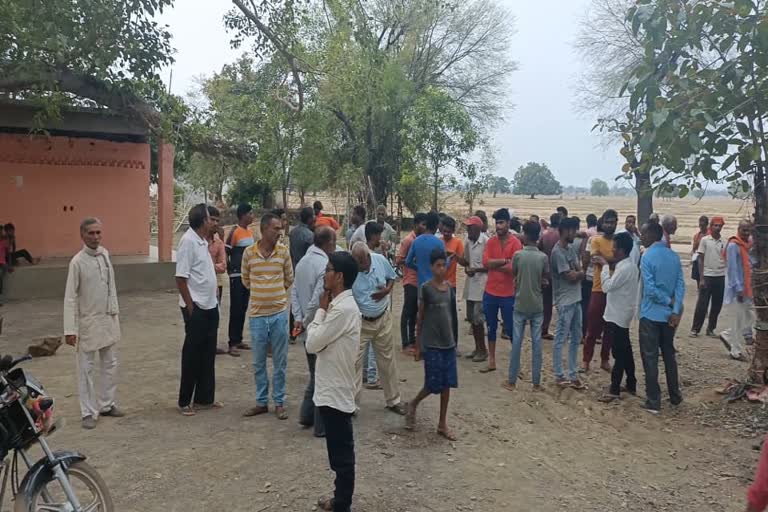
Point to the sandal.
(207, 407)
(187, 410)
(446, 434)
(256, 411)
(578, 385)
(608, 398)
(399, 408)
(487, 370)
(243, 346)
(281, 413)
(325, 504)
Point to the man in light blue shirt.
(738, 297)
(661, 306)
(371, 291)
(307, 288)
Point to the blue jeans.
(568, 325)
(371, 370)
(266, 331)
(491, 306)
(520, 319)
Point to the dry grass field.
(686, 210)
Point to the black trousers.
(238, 307)
(23, 253)
(340, 441)
(714, 291)
(547, 296)
(624, 359)
(309, 415)
(198, 374)
(408, 316)
(655, 336)
(454, 318)
(586, 295)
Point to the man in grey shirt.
(566, 286)
(301, 236)
(305, 299)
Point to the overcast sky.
(542, 127)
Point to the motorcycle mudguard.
(40, 473)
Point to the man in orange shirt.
(322, 219)
(454, 249)
(410, 286)
(601, 248)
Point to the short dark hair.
(482, 215)
(372, 229)
(532, 230)
(702, 218)
(576, 222)
(323, 235)
(243, 209)
(317, 206)
(656, 230)
(306, 214)
(437, 255)
(449, 222)
(624, 242)
(419, 218)
(360, 211)
(213, 211)
(278, 211)
(343, 263)
(568, 223)
(554, 220)
(501, 214)
(269, 217)
(562, 210)
(591, 220)
(610, 214)
(197, 216)
(9, 227)
(515, 224)
(630, 216)
(433, 220)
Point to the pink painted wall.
(49, 184)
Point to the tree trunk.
(436, 186)
(533, 196)
(494, 194)
(757, 370)
(644, 196)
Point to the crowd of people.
(338, 304)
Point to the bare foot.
(446, 433)
(605, 365)
(509, 387)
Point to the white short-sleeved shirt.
(713, 252)
(194, 263)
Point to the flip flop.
(608, 398)
(256, 411)
(487, 370)
(187, 411)
(447, 434)
(325, 504)
(281, 413)
(207, 407)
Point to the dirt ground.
(523, 451)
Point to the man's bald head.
(745, 229)
(325, 239)
(362, 255)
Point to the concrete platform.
(49, 278)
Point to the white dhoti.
(742, 320)
(91, 403)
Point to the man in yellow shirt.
(601, 248)
(268, 273)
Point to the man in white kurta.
(91, 324)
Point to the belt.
(373, 318)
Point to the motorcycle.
(61, 481)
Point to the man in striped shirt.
(267, 272)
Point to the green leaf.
(660, 117)
(729, 161)
(682, 191)
(743, 129)
(695, 142)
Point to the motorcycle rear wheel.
(83, 477)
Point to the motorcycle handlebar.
(8, 362)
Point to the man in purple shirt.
(547, 242)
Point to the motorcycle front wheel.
(89, 487)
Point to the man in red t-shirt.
(410, 286)
(454, 249)
(500, 287)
